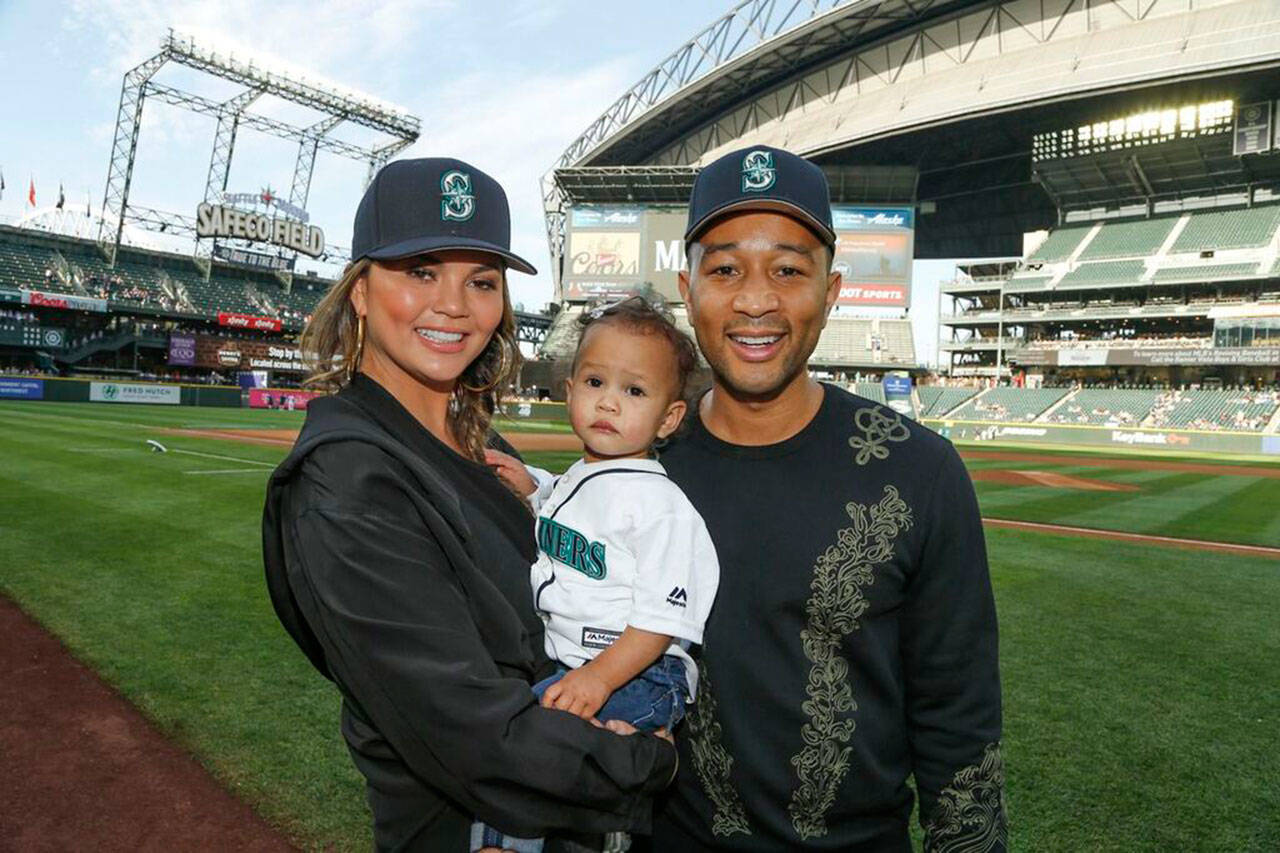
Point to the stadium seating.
(1103, 274)
(1105, 406)
(1060, 243)
(562, 337)
(1228, 229)
(1026, 282)
(1207, 272)
(870, 390)
(1246, 411)
(1009, 404)
(851, 341)
(937, 400)
(1129, 239)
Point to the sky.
(505, 86)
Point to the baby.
(626, 571)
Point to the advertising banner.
(616, 250)
(21, 389)
(897, 393)
(121, 392)
(253, 260)
(182, 350)
(248, 321)
(222, 353)
(1171, 357)
(874, 250)
(288, 399)
(63, 300)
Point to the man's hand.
(580, 692)
(511, 470)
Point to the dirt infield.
(1048, 479)
(81, 768)
(1145, 464)
(522, 441)
(1137, 538)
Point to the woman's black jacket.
(376, 564)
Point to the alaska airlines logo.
(757, 172)
(568, 546)
(456, 199)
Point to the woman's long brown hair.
(329, 347)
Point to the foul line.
(1143, 538)
(224, 458)
(228, 471)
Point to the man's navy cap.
(432, 204)
(761, 178)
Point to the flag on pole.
(62, 197)
(31, 193)
(87, 203)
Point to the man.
(853, 640)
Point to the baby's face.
(622, 394)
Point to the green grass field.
(1141, 708)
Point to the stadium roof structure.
(949, 99)
(336, 105)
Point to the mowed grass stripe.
(1138, 705)
(1249, 513)
(1157, 505)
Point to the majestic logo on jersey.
(457, 201)
(678, 597)
(757, 172)
(568, 546)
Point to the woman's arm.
(399, 635)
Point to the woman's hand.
(511, 470)
(580, 692)
(621, 727)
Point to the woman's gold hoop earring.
(503, 367)
(355, 358)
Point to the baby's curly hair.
(639, 315)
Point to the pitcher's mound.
(1049, 480)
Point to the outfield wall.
(1100, 437)
(107, 391)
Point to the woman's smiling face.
(427, 317)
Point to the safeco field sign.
(119, 392)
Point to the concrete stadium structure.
(950, 109)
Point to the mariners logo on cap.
(457, 202)
(757, 172)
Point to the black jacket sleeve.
(951, 669)
(399, 638)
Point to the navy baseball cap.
(432, 204)
(761, 178)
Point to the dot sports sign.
(122, 392)
(874, 250)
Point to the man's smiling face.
(758, 290)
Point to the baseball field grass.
(1141, 709)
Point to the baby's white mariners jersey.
(619, 544)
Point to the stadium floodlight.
(1139, 129)
(258, 76)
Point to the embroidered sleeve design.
(713, 762)
(878, 427)
(969, 816)
(835, 604)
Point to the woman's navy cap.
(432, 204)
(761, 178)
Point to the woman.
(399, 562)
